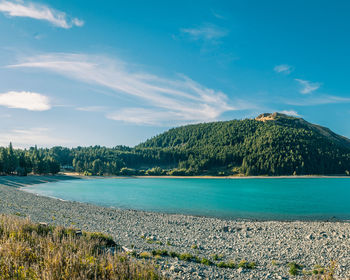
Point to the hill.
(271, 144)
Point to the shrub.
(246, 265)
(206, 261)
(187, 257)
(162, 253)
(216, 257)
(145, 255)
(294, 268)
(174, 255)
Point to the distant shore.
(270, 244)
(77, 175)
(21, 181)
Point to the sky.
(83, 72)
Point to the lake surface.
(278, 199)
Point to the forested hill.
(271, 144)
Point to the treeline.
(288, 146)
(22, 162)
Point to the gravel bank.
(270, 244)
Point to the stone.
(310, 237)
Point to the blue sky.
(118, 72)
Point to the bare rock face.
(296, 121)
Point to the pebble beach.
(271, 245)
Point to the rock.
(310, 237)
(127, 250)
(240, 270)
(175, 269)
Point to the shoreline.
(77, 175)
(308, 243)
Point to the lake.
(277, 198)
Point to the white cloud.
(25, 100)
(181, 98)
(24, 138)
(307, 86)
(283, 68)
(143, 116)
(207, 32)
(290, 113)
(37, 11)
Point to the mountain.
(270, 144)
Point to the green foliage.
(294, 268)
(155, 171)
(187, 257)
(22, 162)
(226, 265)
(216, 257)
(174, 255)
(282, 146)
(162, 253)
(206, 262)
(246, 265)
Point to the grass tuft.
(294, 268)
(30, 251)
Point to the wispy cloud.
(168, 100)
(319, 100)
(25, 100)
(91, 109)
(283, 68)
(218, 15)
(205, 32)
(307, 86)
(24, 138)
(144, 116)
(290, 113)
(37, 11)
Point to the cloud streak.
(168, 101)
(25, 138)
(319, 100)
(283, 68)
(290, 113)
(25, 100)
(206, 32)
(308, 87)
(38, 11)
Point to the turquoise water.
(280, 199)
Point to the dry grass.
(33, 251)
(327, 273)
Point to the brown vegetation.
(38, 251)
